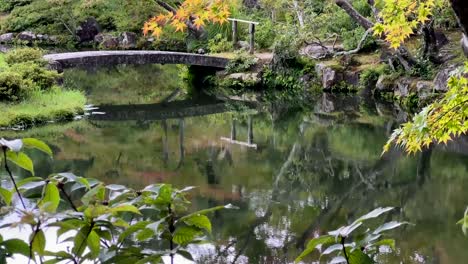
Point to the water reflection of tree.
(342, 187)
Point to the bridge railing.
(235, 33)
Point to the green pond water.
(311, 171)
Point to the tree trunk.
(461, 11)
(299, 13)
(348, 8)
(430, 48)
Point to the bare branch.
(359, 46)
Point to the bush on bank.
(29, 94)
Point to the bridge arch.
(60, 61)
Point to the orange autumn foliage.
(196, 13)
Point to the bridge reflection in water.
(178, 110)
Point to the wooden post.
(250, 136)
(233, 130)
(234, 33)
(252, 38)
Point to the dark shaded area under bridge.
(61, 61)
(161, 111)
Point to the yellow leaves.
(439, 122)
(157, 31)
(191, 12)
(401, 17)
(179, 25)
(198, 22)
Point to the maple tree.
(400, 18)
(191, 14)
(437, 122)
(442, 120)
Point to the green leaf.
(94, 193)
(374, 213)
(116, 187)
(345, 231)
(94, 211)
(16, 246)
(6, 195)
(59, 254)
(150, 259)
(125, 208)
(79, 242)
(94, 244)
(332, 248)
(185, 254)
(389, 226)
(185, 235)
(51, 199)
(28, 180)
(21, 160)
(132, 229)
(358, 257)
(37, 144)
(52, 261)
(200, 221)
(84, 181)
(312, 245)
(144, 234)
(67, 225)
(209, 210)
(39, 243)
(104, 234)
(164, 195)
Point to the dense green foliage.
(241, 62)
(12, 86)
(29, 94)
(60, 17)
(21, 55)
(108, 221)
(219, 44)
(25, 72)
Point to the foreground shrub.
(240, 63)
(39, 76)
(21, 55)
(371, 76)
(8, 5)
(109, 222)
(12, 86)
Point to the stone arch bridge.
(61, 61)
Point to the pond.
(293, 173)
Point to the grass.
(3, 63)
(42, 107)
